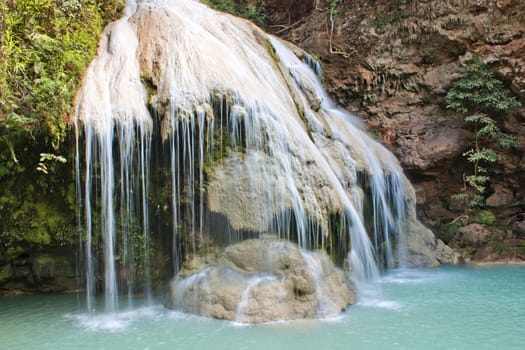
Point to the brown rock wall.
(392, 62)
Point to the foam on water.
(115, 321)
(409, 276)
(380, 303)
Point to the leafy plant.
(45, 46)
(253, 10)
(481, 98)
(45, 158)
(486, 217)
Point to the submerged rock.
(262, 280)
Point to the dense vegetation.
(46, 45)
(45, 48)
(483, 100)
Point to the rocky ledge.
(262, 280)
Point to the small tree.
(481, 98)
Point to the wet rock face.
(263, 280)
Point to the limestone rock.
(264, 280)
(422, 248)
(262, 256)
(425, 250)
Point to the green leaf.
(506, 141)
(459, 196)
(485, 154)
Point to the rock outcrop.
(393, 61)
(262, 280)
(481, 243)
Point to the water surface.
(445, 308)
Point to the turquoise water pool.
(445, 308)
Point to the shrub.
(481, 98)
(485, 217)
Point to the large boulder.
(423, 249)
(262, 280)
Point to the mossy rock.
(6, 273)
(48, 266)
(22, 272)
(447, 232)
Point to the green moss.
(39, 235)
(485, 217)
(6, 273)
(447, 231)
(272, 51)
(43, 266)
(12, 252)
(45, 48)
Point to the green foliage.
(253, 10)
(447, 232)
(45, 46)
(6, 272)
(332, 6)
(223, 5)
(48, 157)
(485, 217)
(481, 97)
(479, 91)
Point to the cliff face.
(392, 62)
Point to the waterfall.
(198, 121)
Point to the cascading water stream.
(252, 282)
(108, 118)
(250, 144)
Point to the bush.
(481, 98)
